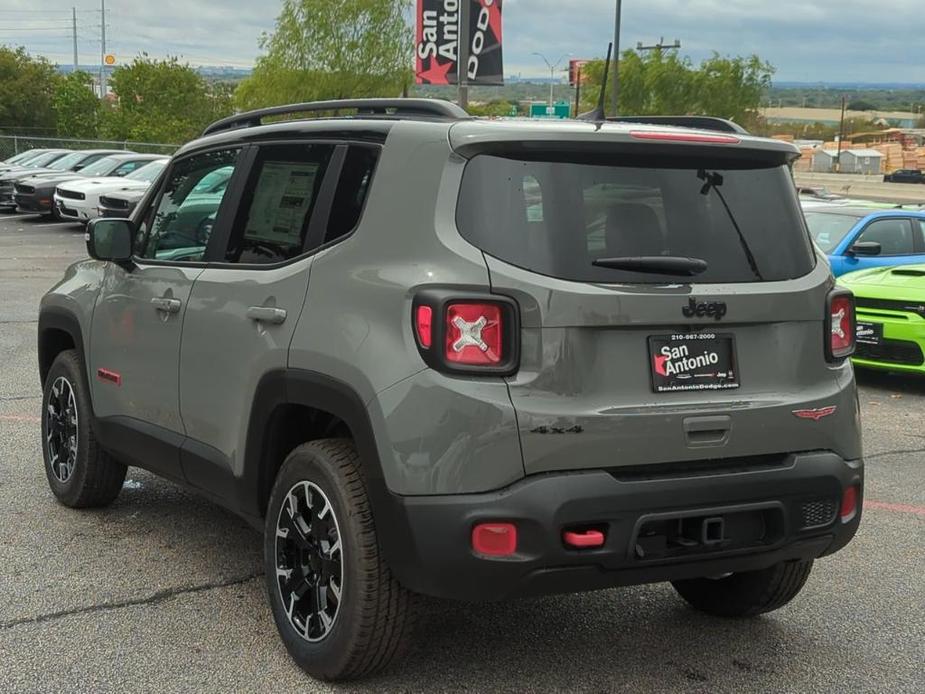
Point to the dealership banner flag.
(438, 38)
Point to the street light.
(552, 73)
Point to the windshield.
(563, 218)
(149, 172)
(44, 160)
(66, 163)
(829, 229)
(22, 157)
(103, 167)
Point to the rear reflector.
(495, 539)
(474, 334)
(584, 540)
(424, 325)
(685, 137)
(849, 504)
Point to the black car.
(905, 176)
(36, 193)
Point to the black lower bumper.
(30, 202)
(651, 527)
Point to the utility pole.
(660, 46)
(74, 28)
(102, 49)
(841, 134)
(615, 95)
(578, 91)
(462, 67)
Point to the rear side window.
(352, 189)
(556, 217)
(277, 209)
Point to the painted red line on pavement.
(897, 508)
(19, 418)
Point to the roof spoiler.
(428, 108)
(698, 122)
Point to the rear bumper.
(903, 347)
(427, 540)
(77, 210)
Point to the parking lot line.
(897, 508)
(16, 216)
(53, 224)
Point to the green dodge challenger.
(890, 317)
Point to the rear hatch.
(672, 306)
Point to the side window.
(919, 227)
(181, 224)
(127, 168)
(355, 180)
(275, 214)
(893, 235)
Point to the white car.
(79, 199)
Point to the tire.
(370, 616)
(746, 594)
(79, 472)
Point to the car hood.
(15, 174)
(48, 180)
(104, 184)
(901, 282)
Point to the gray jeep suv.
(471, 359)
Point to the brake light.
(685, 137)
(474, 334)
(424, 325)
(842, 329)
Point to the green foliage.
(496, 108)
(861, 105)
(77, 107)
(663, 83)
(27, 88)
(332, 50)
(880, 98)
(162, 101)
(816, 131)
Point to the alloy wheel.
(61, 427)
(309, 561)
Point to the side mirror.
(110, 239)
(866, 248)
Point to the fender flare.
(319, 391)
(57, 318)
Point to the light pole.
(552, 74)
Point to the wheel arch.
(58, 330)
(282, 399)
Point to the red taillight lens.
(474, 334)
(842, 326)
(495, 539)
(849, 504)
(423, 324)
(684, 137)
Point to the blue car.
(859, 238)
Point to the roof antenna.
(599, 114)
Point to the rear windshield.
(829, 229)
(557, 217)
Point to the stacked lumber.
(893, 157)
(805, 162)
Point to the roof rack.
(698, 122)
(364, 107)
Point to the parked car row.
(68, 184)
(879, 254)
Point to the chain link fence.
(14, 144)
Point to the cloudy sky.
(807, 40)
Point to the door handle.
(266, 314)
(166, 305)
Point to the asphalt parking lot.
(162, 591)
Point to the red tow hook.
(586, 539)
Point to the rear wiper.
(712, 181)
(656, 265)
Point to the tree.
(27, 87)
(663, 83)
(77, 108)
(332, 50)
(161, 101)
(861, 105)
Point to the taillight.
(474, 334)
(495, 539)
(684, 137)
(466, 333)
(841, 329)
(849, 504)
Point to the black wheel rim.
(61, 427)
(309, 561)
